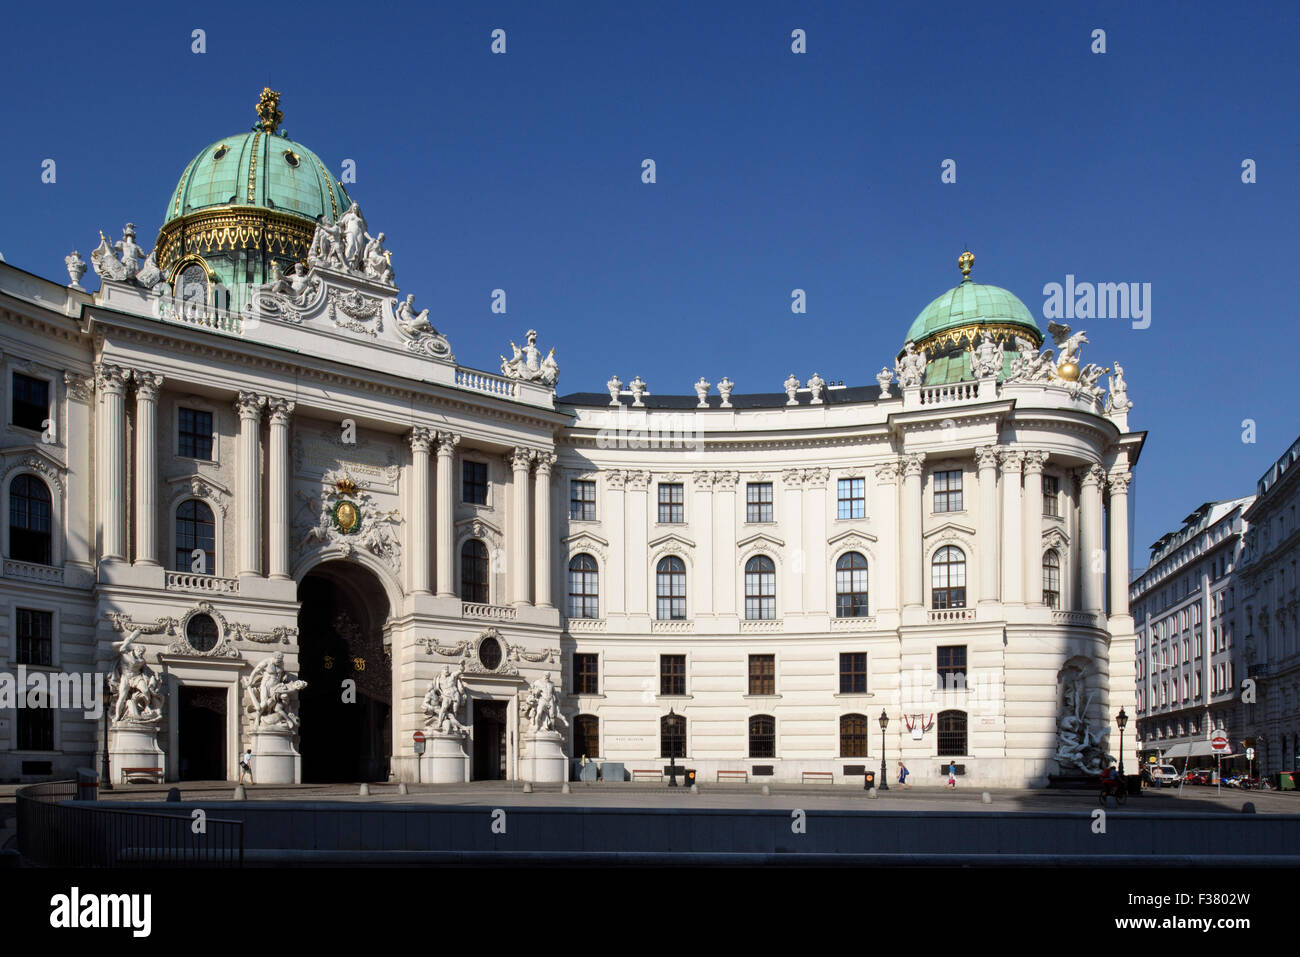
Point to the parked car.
(1199, 776)
(1164, 775)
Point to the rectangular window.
(853, 672)
(35, 637)
(35, 729)
(947, 491)
(762, 674)
(582, 501)
(473, 483)
(31, 402)
(194, 434)
(671, 497)
(1051, 496)
(952, 666)
(758, 502)
(585, 679)
(852, 498)
(672, 736)
(672, 674)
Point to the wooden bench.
(827, 776)
(155, 774)
(658, 775)
(741, 776)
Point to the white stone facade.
(311, 412)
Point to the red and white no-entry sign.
(418, 737)
(1219, 741)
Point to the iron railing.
(56, 830)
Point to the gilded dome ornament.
(269, 116)
(965, 261)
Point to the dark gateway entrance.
(201, 733)
(340, 637)
(489, 740)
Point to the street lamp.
(1121, 719)
(105, 779)
(672, 758)
(884, 775)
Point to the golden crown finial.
(965, 261)
(269, 116)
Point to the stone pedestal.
(444, 760)
(275, 759)
(544, 763)
(135, 746)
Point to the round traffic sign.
(1219, 741)
(418, 737)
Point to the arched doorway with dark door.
(346, 732)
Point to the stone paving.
(1194, 799)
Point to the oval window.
(291, 157)
(201, 633)
(489, 653)
(222, 150)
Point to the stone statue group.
(539, 705)
(271, 695)
(136, 687)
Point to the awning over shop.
(1195, 749)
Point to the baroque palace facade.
(251, 481)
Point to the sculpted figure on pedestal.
(910, 369)
(541, 705)
(137, 687)
(271, 695)
(443, 701)
(1118, 400)
(986, 358)
(527, 363)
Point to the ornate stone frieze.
(355, 311)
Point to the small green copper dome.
(263, 169)
(971, 303)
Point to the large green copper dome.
(972, 303)
(258, 169)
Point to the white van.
(1164, 775)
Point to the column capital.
(792, 478)
(545, 462)
(79, 387)
(421, 438)
(249, 405)
(986, 457)
(703, 479)
(520, 458)
(1012, 460)
(816, 476)
(615, 478)
(147, 385)
(1119, 482)
(281, 410)
(111, 379)
(446, 442)
(887, 472)
(726, 480)
(1035, 459)
(1093, 476)
(913, 464)
(638, 479)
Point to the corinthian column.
(147, 387)
(446, 443)
(1119, 545)
(1012, 536)
(542, 546)
(1034, 462)
(1092, 559)
(278, 483)
(249, 406)
(986, 458)
(417, 545)
(520, 460)
(110, 383)
(909, 548)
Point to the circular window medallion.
(201, 633)
(489, 653)
(291, 157)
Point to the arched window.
(952, 733)
(851, 586)
(1052, 578)
(30, 538)
(584, 582)
(762, 736)
(586, 736)
(672, 736)
(670, 589)
(948, 578)
(760, 588)
(195, 529)
(853, 736)
(474, 572)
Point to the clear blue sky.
(775, 171)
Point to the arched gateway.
(346, 728)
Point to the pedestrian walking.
(902, 774)
(246, 766)
(952, 775)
